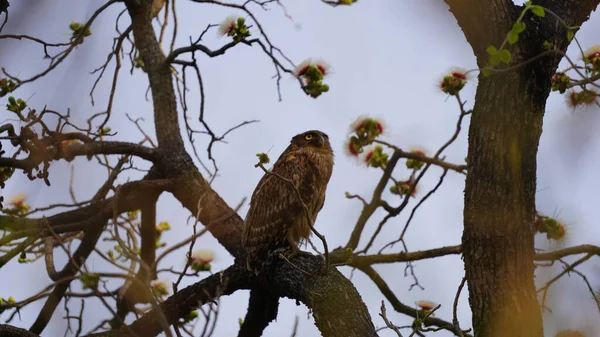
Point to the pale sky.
(387, 57)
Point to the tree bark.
(506, 125)
(500, 207)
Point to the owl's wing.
(274, 205)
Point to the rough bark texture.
(504, 133)
(500, 208)
(262, 310)
(336, 305)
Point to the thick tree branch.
(484, 23)
(336, 305)
(74, 150)
(195, 193)
(166, 121)
(573, 12)
(262, 310)
(11, 331)
(223, 283)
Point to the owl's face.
(312, 138)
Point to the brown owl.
(276, 218)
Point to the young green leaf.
(538, 10)
(505, 56)
(512, 37)
(518, 27)
(492, 50)
(570, 35)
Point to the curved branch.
(335, 304)
(405, 309)
(223, 283)
(74, 150)
(555, 255)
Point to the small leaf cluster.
(105, 131)
(89, 280)
(18, 210)
(5, 174)
(132, 215)
(192, 315)
(239, 31)
(15, 105)
(263, 158)
(314, 81)
(138, 62)
(453, 83)
(163, 226)
(560, 82)
(160, 289)
(414, 164)
(377, 158)
(366, 130)
(199, 266)
(23, 258)
(593, 61)
(403, 188)
(78, 28)
(119, 255)
(553, 228)
(10, 300)
(583, 97)
(502, 55)
(498, 56)
(6, 85)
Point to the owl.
(277, 217)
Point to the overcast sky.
(386, 57)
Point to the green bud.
(263, 158)
(89, 280)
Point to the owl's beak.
(321, 141)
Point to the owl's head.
(312, 138)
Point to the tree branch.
(262, 310)
(555, 255)
(74, 150)
(403, 308)
(11, 331)
(223, 283)
(573, 12)
(357, 260)
(166, 121)
(484, 23)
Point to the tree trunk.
(506, 125)
(500, 207)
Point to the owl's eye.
(308, 136)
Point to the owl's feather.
(276, 218)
